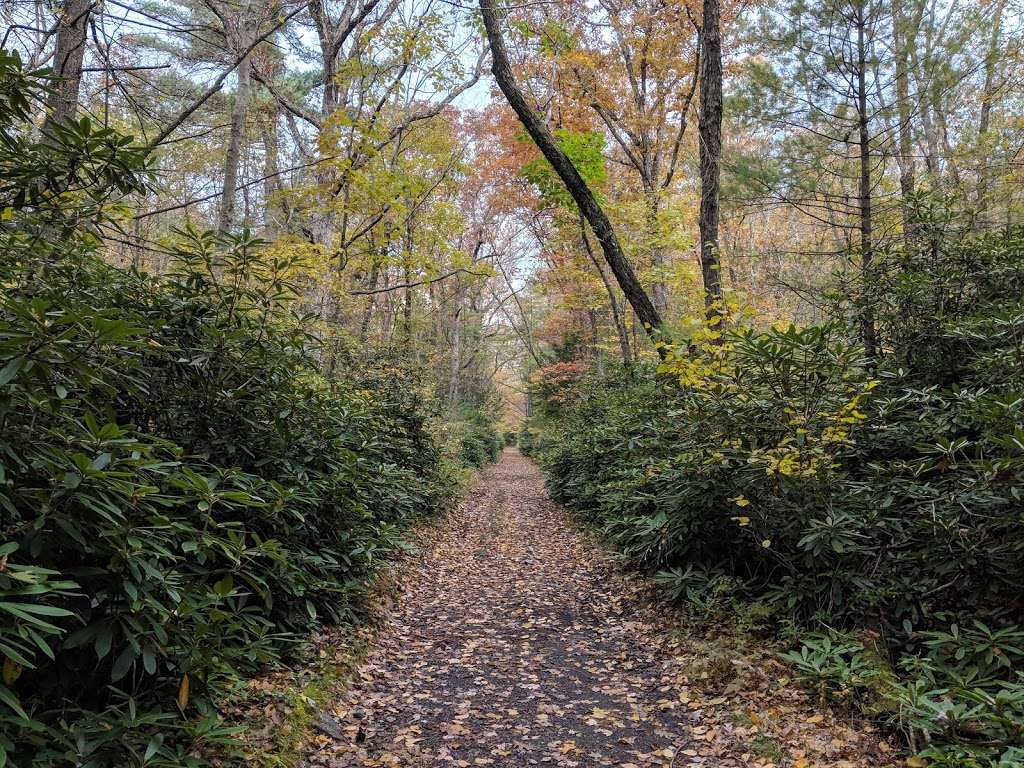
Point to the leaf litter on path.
(517, 641)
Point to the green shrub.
(840, 667)
(783, 461)
(779, 465)
(182, 494)
(961, 696)
(527, 440)
(477, 438)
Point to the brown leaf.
(183, 691)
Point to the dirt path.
(515, 643)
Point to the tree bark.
(710, 129)
(455, 362)
(595, 343)
(67, 63)
(903, 39)
(364, 324)
(952, 165)
(581, 193)
(275, 214)
(407, 305)
(617, 319)
(985, 113)
(931, 141)
(659, 293)
(864, 141)
(227, 215)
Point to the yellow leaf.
(742, 520)
(741, 501)
(916, 762)
(766, 543)
(12, 671)
(183, 692)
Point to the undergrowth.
(184, 497)
(871, 506)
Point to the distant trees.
(818, 139)
(641, 84)
(872, 106)
(581, 193)
(325, 127)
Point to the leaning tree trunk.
(577, 187)
(710, 128)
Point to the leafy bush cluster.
(527, 440)
(182, 494)
(477, 439)
(882, 496)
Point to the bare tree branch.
(425, 281)
(219, 82)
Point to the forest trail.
(517, 642)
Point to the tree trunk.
(864, 136)
(595, 342)
(408, 298)
(659, 294)
(907, 163)
(710, 128)
(271, 183)
(599, 223)
(364, 324)
(617, 319)
(987, 97)
(327, 36)
(407, 302)
(931, 141)
(952, 165)
(228, 215)
(455, 362)
(67, 63)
